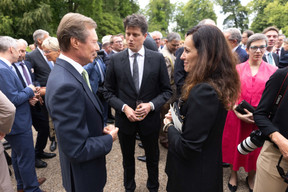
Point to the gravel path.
(115, 172)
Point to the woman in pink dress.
(253, 75)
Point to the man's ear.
(74, 42)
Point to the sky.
(220, 16)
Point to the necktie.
(136, 72)
(86, 78)
(25, 74)
(270, 58)
(277, 51)
(50, 64)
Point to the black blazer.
(40, 66)
(261, 115)
(120, 90)
(275, 57)
(194, 160)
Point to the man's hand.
(130, 114)
(142, 110)
(168, 118)
(32, 87)
(248, 117)
(33, 101)
(112, 130)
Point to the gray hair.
(207, 22)
(256, 37)
(22, 41)
(173, 36)
(154, 33)
(136, 20)
(51, 43)
(39, 34)
(235, 34)
(6, 42)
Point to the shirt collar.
(76, 65)
(141, 52)
(6, 61)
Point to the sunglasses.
(281, 170)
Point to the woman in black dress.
(194, 161)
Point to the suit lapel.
(19, 75)
(12, 73)
(147, 58)
(80, 79)
(43, 60)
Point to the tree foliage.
(192, 13)
(237, 14)
(159, 13)
(270, 13)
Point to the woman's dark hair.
(215, 65)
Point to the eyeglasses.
(281, 170)
(118, 42)
(255, 48)
(157, 39)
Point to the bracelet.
(165, 128)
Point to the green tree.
(192, 13)
(20, 18)
(159, 13)
(238, 14)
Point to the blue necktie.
(50, 64)
(270, 58)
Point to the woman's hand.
(248, 117)
(168, 118)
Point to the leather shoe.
(225, 165)
(232, 188)
(142, 158)
(45, 155)
(140, 145)
(247, 183)
(165, 145)
(53, 146)
(40, 164)
(41, 180)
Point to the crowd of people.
(68, 86)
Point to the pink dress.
(235, 130)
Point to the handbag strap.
(280, 94)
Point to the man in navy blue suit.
(234, 38)
(76, 112)
(20, 137)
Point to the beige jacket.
(7, 114)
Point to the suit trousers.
(267, 177)
(5, 180)
(23, 161)
(150, 144)
(40, 121)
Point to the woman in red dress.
(253, 75)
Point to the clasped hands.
(248, 117)
(37, 95)
(139, 114)
(112, 130)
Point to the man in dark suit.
(137, 86)
(76, 112)
(20, 137)
(234, 37)
(41, 69)
(272, 33)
